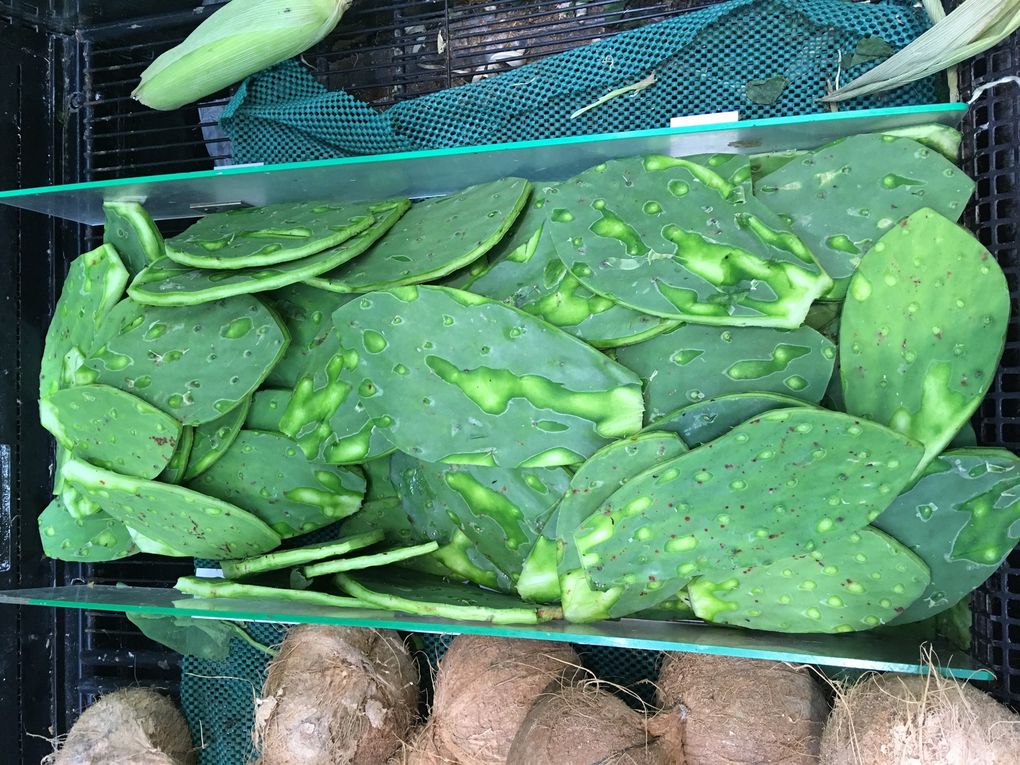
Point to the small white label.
(209, 573)
(704, 119)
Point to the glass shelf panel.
(428, 173)
(860, 651)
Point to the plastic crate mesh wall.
(991, 155)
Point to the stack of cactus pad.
(733, 388)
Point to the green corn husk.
(239, 39)
(974, 27)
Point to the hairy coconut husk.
(484, 690)
(919, 720)
(421, 748)
(584, 724)
(133, 725)
(336, 695)
(744, 710)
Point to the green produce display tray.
(423, 174)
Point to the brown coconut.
(584, 724)
(744, 710)
(134, 725)
(336, 695)
(919, 720)
(421, 748)
(484, 690)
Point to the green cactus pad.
(213, 438)
(962, 518)
(264, 236)
(773, 487)
(189, 636)
(193, 523)
(95, 282)
(841, 198)
(695, 362)
(78, 506)
(133, 234)
(502, 511)
(707, 420)
(168, 283)
(324, 414)
(437, 237)
(594, 482)
(672, 238)
(267, 475)
(594, 318)
(360, 562)
(112, 429)
(941, 138)
(734, 168)
(317, 394)
(922, 330)
(525, 272)
(454, 377)
(308, 313)
(380, 482)
(457, 552)
(267, 407)
(174, 471)
(856, 582)
(194, 363)
(417, 593)
(98, 537)
(211, 587)
(356, 436)
(280, 559)
(678, 608)
(770, 161)
(539, 581)
(153, 547)
(965, 437)
(599, 477)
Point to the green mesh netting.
(218, 697)
(702, 61)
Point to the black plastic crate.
(68, 67)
